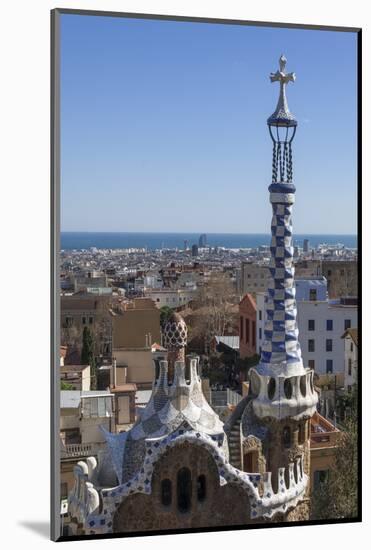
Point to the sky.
(163, 126)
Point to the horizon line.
(200, 233)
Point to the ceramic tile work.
(85, 500)
(280, 388)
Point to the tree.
(87, 356)
(337, 497)
(66, 385)
(165, 313)
(215, 303)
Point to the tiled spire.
(281, 384)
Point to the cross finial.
(281, 75)
(282, 114)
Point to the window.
(90, 320)
(312, 294)
(329, 324)
(260, 314)
(166, 495)
(248, 462)
(342, 272)
(184, 490)
(350, 367)
(201, 488)
(311, 324)
(328, 345)
(83, 320)
(329, 272)
(260, 333)
(329, 366)
(311, 364)
(320, 476)
(311, 346)
(247, 330)
(286, 436)
(351, 346)
(347, 324)
(69, 321)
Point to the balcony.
(323, 433)
(80, 450)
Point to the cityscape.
(210, 380)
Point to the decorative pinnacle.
(282, 115)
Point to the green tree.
(87, 356)
(66, 385)
(337, 497)
(165, 313)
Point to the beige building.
(253, 278)
(136, 338)
(350, 337)
(341, 275)
(136, 325)
(80, 310)
(174, 298)
(136, 365)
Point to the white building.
(321, 324)
(82, 413)
(350, 337)
(153, 279)
(171, 298)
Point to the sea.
(153, 241)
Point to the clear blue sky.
(164, 126)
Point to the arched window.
(187, 372)
(184, 490)
(166, 495)
(201, 487)
(271, 388)
(286, 436)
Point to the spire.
(282, 386)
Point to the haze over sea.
(83, 240)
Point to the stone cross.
(282, 111)
(281, 75)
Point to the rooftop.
(70, 399)
(232, 342)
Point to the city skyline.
(188, 122)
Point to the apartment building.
(321, 323)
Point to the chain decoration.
(282, 161)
